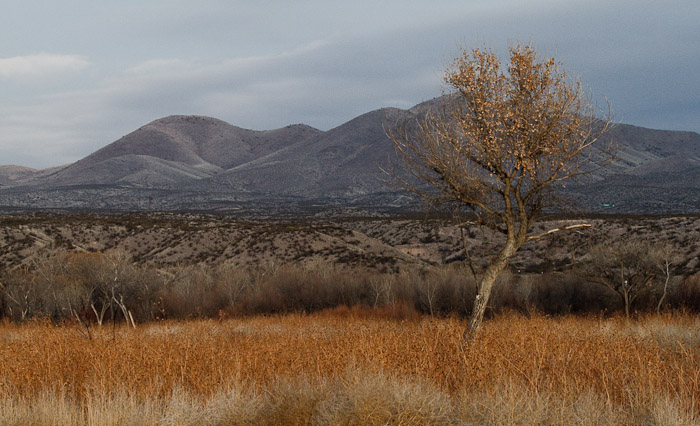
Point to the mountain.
(341, 163)
(173, 150)
(201, 163)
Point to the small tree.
(628, 267)
(502, 142)
(666, 262)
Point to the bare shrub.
(552, 293)
(510, 292)
(193, 292)
(18, 295)
(87, 286)
(561, 293)
(47, 290)
(381, 289)
(111, 285)
(232, 283)
(296, 289)
(100, 287)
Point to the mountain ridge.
(197, 162)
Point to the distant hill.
(201, 163)
(11, 174)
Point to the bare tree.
(630, 266)
(504, 139)
(17, 295)
(666, 262)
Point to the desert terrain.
(184, 318)
(369, 241)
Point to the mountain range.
(204, 164)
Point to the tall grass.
(354, 366)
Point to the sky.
(76, 75)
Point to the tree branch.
(552, 231)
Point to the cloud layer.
(267, 64)
(40, 66)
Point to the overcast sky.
(76, 75)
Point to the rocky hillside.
(381, 243)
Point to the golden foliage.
(504, 137)
(625, 364)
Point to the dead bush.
(686, 294)
(443, 290)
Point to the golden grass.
(330, 368)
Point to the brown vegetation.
(100, 288)
(354, 366)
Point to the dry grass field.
(355, 366)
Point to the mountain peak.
(188, 120)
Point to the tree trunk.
(484, 289)
(667, 274)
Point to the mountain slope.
(343, 162)
(654, 171)
(11, 175)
